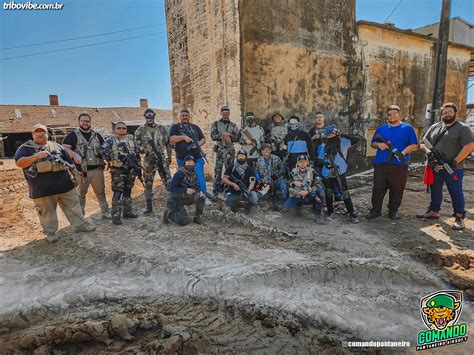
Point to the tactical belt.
(92, 167)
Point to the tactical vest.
(222, 127)
(277, 136)
(257, 133)
(305, 177)
(44, 165)
(267, 168)
(88, 150)
(116, 151)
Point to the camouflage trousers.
(176, 203)
(150, 169)
(122, 180)
(223, 160)
(122, 184)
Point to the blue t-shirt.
(400, 136)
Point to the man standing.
(252, 137)
(278, 132)
(225, 134)
(85, 142)
(45, 166)
(269, 177)
(391, 164)
(298, 142)
(184, 190)
(451, 141)
(332, 153)
(124, 160)
(152, 139)
(240, 174)
(317, 133)
(187, 139)
(305, 189)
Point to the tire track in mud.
(248, 265)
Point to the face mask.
(189, 168)
(294, 126)
(241, 160)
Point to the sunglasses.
(120, 127)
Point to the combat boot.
(149, 206)
(105, 214)
(127, 208)
(116, 212)
(317, 217)
(166, 216)
(198, 220)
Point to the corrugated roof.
(67, 116)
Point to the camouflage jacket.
(305, 177)
(267, 169)
(144, 134)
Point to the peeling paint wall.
(298, 57)
(399, 70)
(204, 51)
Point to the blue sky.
(120, 73)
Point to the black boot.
(116, 212)
(149, 206)
(127, 208)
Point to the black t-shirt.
(181, 148)
(46, 184)
(71, 138)
(234, 175)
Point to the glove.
(431, 157)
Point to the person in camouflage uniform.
(144, 135)
(269, 177)
(123, 176)
(305, 188)
(225, 134)
(184, 190)
(277, 133)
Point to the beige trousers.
(95, 178)
(70, 205)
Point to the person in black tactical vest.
(241, 172)
(85, 142)
(184, 190)
(48, 168)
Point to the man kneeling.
(184, 190)
(305, 189)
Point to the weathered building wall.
(298, 57)
(204, 52)
(399, 70)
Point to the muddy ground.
(261, 283)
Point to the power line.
(76, 38)
(84, 46)
(396, 7)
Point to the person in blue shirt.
(184, 190)
(332, 154)
(391, 172)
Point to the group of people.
(282, 167)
